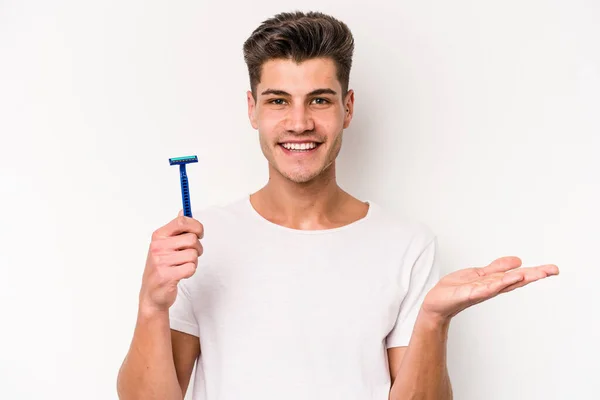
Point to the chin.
(302, 175)
(300, 178)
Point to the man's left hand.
(464, 288)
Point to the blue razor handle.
(185, 187)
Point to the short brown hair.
(300, 36)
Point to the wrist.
(433, 321)
(150, 312)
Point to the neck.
(310, 205)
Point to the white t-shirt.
(302, 315)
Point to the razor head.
(183, 160)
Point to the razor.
(185, 187)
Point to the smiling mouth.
(299, 147)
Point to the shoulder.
(232, 209)
(220, 219)
(405, 234)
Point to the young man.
(300, 290)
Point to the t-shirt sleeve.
(181, 314)
(424, 275)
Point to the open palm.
(467, 287)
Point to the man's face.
(300, 116)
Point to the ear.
(348, 108)
(251, 109)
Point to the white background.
(480, 118)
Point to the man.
(300, 290)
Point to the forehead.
(283, 74)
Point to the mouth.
(299, 148)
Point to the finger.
(514, 286)
(179, 225)
(533, 274)
(180, 213)
(502, 264)
(174, 243)
(550, 269)
(181, 242)
(184, 271)
(179, 258)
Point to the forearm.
(148, 371)
(423, 373)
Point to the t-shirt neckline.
(258, 217)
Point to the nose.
(299, 120)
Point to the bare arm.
(148, 371)
(419, 371)
(159, 362)
(186, 349)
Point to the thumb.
(180, 213)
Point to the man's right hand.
(173, 255)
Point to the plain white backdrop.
(480, 118)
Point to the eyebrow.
(315, 92)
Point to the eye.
(277, 102)
(321, 101)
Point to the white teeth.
(300, 146)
